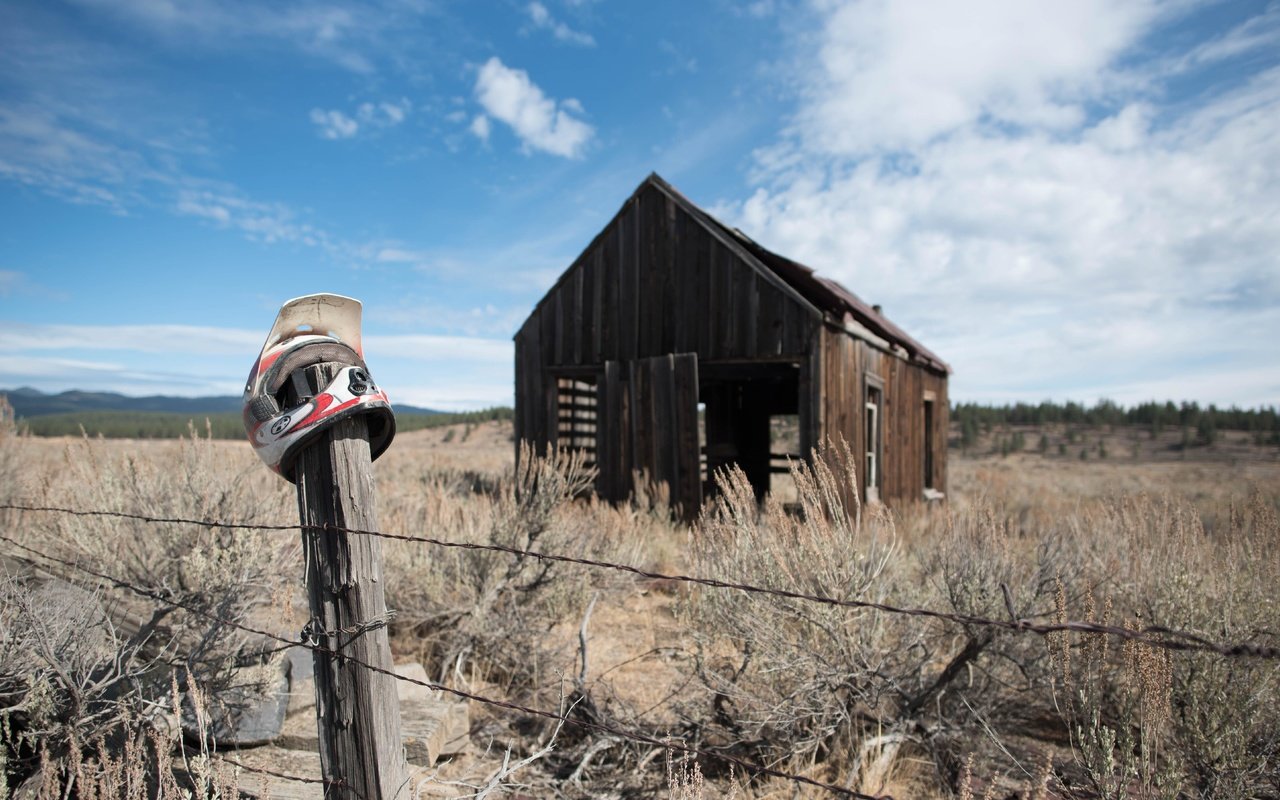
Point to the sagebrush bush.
(796, 680)
(489, 614)
(1175, 723)
(99, 662)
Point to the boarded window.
(576, 413)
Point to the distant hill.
(162, 417)
(28, 403)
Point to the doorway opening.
(751, 419)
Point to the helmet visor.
(318, 315)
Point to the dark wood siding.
(656, 282)
(846, 364)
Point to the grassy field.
(879, 703)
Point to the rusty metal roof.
(823, 293)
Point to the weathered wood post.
(357, 710)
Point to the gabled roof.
(823, 293)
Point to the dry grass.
(868, 700)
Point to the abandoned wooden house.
(674, 340)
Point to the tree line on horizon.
(1263, 422)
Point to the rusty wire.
(1154, 635)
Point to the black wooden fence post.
(357, 710)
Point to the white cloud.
(1042, 251)
(543, 20)
(335, 124)
(480, 127)
(84, 132)
(472, 394)
(175, 339)
(67, 158)
(421, 347)
(1254, 34)
(896, 75)
(58, 374)
(415, 313)
(395, 112)
(399, 255)
(263, 222)
(509, 96)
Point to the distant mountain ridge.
(28, 402)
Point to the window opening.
(928, 445)
(577, 415)
(872, 439)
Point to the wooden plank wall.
(656, 281)
(845, 365)
(657, 408)
(614, 459)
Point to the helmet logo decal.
(280, 425)
(361, 383)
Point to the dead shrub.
(96, 664)
(487, 615)
(798, 681)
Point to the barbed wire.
(1154, 635)
(340, 784)
(748, 766)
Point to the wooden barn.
(677, 345)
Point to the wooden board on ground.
(304, 765)
(432, 724)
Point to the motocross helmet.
(282, 414)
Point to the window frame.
(873, 453)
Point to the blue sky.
(1064, 200)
